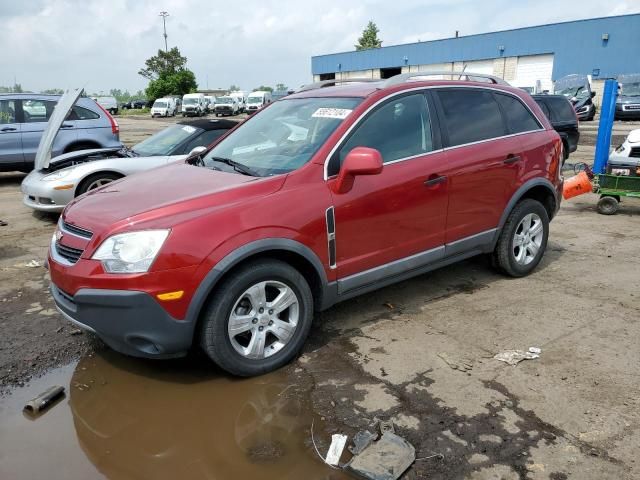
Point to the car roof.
(211, 124)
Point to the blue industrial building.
(600, 47)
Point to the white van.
(110, 104)
(193, 105)
(210, 103)
(257, 100)
(241, 97)
(164, 107)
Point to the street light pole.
(164, 16)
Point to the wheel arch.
(539, 189)
(294, 253)
(91, 174)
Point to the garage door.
(533, 69)
(479, 66)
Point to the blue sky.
(101, 44)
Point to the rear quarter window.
(519, 118)
(561, 110)
(81, 113)
(471, 115)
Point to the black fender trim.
(534, 182)
(327, 296)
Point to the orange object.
(576, 185)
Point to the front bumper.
(630, 112)
(43, 196)
(130, 322)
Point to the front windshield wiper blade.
(238, 167)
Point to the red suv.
(324, 195)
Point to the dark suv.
(563, 118)
(321, 196)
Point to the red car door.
(398, 215)
(484, 160)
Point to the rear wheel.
(608, 205)
(95, 181)
(523, 239)
(258, 319)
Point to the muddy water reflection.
(157, 420)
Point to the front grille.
(80, 232)
(72, 255)
(631, 107)
(635, 152)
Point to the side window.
(204, 139)
(519, 118)
(7, 111)
(400, 128)
(544, 108)
(471, 115)
(37, 110)
(81, 113)
(561, 110)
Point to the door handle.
(435, 180)
(8, 129)
(66, 125)
(511, 158)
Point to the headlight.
(59, 175)
(132, 252)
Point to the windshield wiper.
(238, 167)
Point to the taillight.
(115, 128)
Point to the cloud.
(102, 45)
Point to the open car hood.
(571, 81)
(67, 159)
(60, 112)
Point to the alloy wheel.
(527, 239)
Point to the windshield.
(630, 89)
(190, 101)
(165, 141)
(225, 100)
(254, 100)
(284, 136)
(157, 104)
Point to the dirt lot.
(419, 352)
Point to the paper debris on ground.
(338, 442)
(361, 440)
(455, 363)
(513, 357)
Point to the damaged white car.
(54, 182)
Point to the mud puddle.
(127, 418)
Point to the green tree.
(262, 87)
(168, 75)
(281, 86)
(54, 91)
(369, 38)
(234, 88)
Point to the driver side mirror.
(359, 161)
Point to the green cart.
(612, 188)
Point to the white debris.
(338, 442)
(513, 357)
(33, 264)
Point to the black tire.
(608, 205)
(214, 338)
(86, 184)
(504, 253)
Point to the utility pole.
(164, 16)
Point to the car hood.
(176, 190)
(629, 98)
(60, 112)
(102, 153)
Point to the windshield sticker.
(339, 113)
(188, 129)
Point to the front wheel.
(608, 205)
(95, 181)
(523, 239)
(258, 319)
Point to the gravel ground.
(420, 352)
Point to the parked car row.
(385, 177)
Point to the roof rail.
(331, 83)
(403, 77)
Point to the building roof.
(577, 46)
